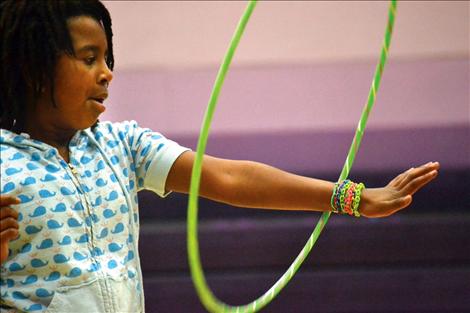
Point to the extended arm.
(255, 185)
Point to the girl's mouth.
(98, 99)
(99, 104)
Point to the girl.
(69, 218)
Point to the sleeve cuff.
(157, 173)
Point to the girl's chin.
(92, 122)
(98, 106)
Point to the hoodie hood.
(22, 141)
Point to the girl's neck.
(58, 139)
(38, 126)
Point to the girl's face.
(80, 82)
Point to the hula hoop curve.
(211, 303)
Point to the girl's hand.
(8, 224)
(397, 195)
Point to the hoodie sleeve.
(152, 155)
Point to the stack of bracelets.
(346, 197)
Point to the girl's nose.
(106, 75)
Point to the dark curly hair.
(33, 33)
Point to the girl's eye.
(90, 60)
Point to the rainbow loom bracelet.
(357, 199)
(332, 201)
(335, 197)
(342, 195)
(348, 202)
(346, 197)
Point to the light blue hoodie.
(79, 221)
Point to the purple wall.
(302, 118)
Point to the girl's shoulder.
(114, 128)
(126, 131)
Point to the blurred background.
(292, 99)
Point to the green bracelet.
(357, 199)
(332, 204)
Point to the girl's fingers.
(9, 234)
(7, 223)
(413, 173)
(403, 177)
(8, 200)
(7, 212)
(413, 186)
(397, 180)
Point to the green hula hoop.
(211, 303)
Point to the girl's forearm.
(251, 184)
(258, 185)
